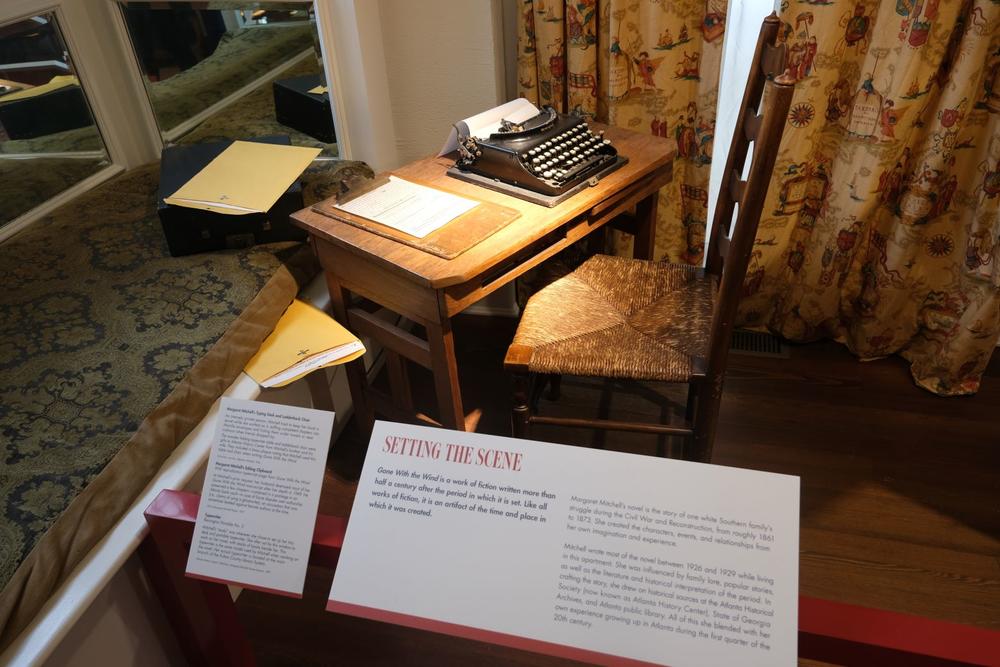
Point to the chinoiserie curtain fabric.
(646, 65)
(882, 220)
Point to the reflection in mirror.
(211, 68)
(48, 138)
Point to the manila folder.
(305, 339)
(247, 177)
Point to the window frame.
(123, 127)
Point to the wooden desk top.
(650, 160)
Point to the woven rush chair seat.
(627, 319)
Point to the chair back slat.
(751, 126)
(724, 243)
(736, 190)
(772, 58)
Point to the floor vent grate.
(757, 344)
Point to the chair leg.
(705, 418)
(692, 401)
(661, 445)
(520, 417)
(555, 387)
(536, 387)
(690, 413)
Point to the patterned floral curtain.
(882, 221)
(646, 65)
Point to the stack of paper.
(304, 340)
(483, 124)
(409, 207)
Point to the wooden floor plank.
(944, 584)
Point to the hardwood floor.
(900, 491)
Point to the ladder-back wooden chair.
(623, 318)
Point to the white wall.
(509, 10)
(444, 62)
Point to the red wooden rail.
(204, 618)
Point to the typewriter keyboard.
(564, 156)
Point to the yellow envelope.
(247, 177)
(55, 83)
(304, 340)
(318, 90)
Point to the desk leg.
(357, 379)
(319, 391)
(399, 380)
(644, 244)
(449, 396)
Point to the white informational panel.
(601, 556)
(258, 507)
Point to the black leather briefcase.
(189, 231)
(306, 112)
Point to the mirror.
(48, 138)
(210, 68)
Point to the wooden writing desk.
(429, 290)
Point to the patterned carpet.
(253, 116)
(111, 351)
(97, 323)
(240, 57)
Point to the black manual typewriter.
(544, 159)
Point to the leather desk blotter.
(448, 242)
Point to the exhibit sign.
(258, 507)
(588, 554)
